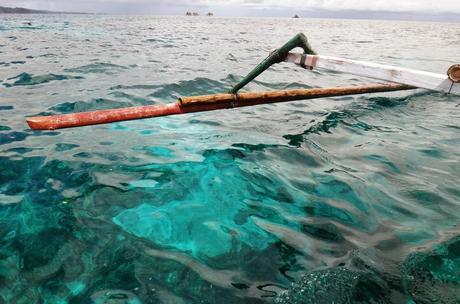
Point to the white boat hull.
(419, 79)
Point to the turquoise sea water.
(335, 200)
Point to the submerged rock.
(423, 277)
(434, 277)
(336, 285)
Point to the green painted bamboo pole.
(299, 40)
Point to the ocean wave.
(26, 79)
(97, 68)
(350, 116)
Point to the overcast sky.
(438, 8)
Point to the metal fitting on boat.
(454, 73)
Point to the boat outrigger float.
(398, 78)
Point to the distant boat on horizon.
(296, 16)
(197, 14)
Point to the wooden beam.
(419, 79)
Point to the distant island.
(22, 10)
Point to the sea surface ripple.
(335, 200)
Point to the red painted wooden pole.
(199, 104)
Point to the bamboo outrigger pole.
(234, 99)
(200, 104)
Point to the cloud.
(423, 6)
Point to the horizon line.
(323, 14)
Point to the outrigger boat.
(398, 78)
